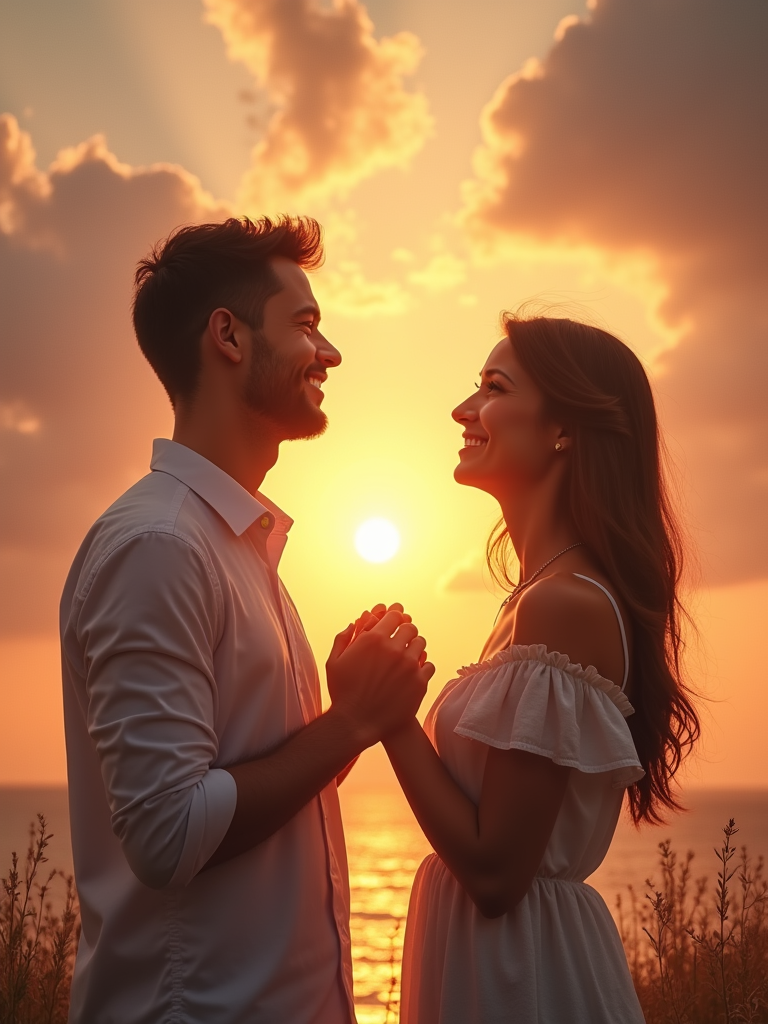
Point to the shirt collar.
(223, 493)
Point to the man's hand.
(378, 673)
(377, 679)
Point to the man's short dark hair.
(202, 267)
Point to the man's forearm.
(273, 788)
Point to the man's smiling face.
(290, 358)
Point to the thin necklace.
(526, 583)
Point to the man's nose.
(326, 352)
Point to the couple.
(203, 773)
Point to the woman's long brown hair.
(615, 493)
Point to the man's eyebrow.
(310, 307)
(493, 370)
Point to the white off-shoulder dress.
(556, 958)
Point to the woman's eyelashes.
(489, 385)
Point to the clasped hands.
(378, 672)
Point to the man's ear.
(226, 334)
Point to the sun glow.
(377, 540)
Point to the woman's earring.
(558, 447)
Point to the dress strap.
(611, 598)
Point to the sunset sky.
(608, 159)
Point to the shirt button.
(264, 522)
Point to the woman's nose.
(464, 413)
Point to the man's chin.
(305, 428)
(300, 421)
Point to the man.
(207, 840)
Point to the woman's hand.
(378, 674)
(368, 619)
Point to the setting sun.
(377, 540)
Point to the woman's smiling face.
(509, 441)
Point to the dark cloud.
(643, 135)
(78, 404)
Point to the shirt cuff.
(210, 813)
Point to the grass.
(392, 1009)
(37, 946)
(698, 953)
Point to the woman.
(577, 696)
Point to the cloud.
(341, 111)
(466, 575)
(77, 402)
(443, 272)
(16, 416)
(348, 291)
(401, 255)
(641, 135)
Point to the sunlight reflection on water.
(386, 846)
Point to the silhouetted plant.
(696, 956)
(37, 946)
(395, 966)
(701, 957)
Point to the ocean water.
(386, 846)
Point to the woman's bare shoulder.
(573, 617)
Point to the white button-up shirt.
(182, 652)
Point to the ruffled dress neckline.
(540, 653)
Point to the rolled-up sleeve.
(149, 621)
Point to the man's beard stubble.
(278, 393)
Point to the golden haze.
(427, 241)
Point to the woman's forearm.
(493, 850)
(447, 816)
